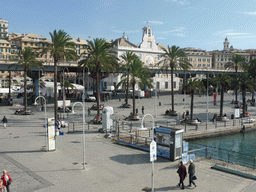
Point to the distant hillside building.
(3, 29)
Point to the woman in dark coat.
(182, 174)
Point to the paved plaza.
(109, 167)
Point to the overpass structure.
(6, 65)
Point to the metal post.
(207, 101)
(83, 130)
(45, 122)
(228, 156)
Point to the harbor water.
(234, 148)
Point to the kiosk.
(169, 142)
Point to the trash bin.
(232, 116)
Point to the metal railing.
(226, 158)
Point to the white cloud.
(171, 31)
(180, 35)
(222, 33)
(154, 22)
(116, 31)
(234, 34)
(250, 13)
(161, 38)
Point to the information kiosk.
(169, 142)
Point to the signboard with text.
(153, 154)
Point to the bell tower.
(226, 44)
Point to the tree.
(67, 85)
(225, 83)
(100, 56)
(252, 72)
(61, 48)
(193, 85)
(235, 62)
(128, 58)
(138, 74)
(175, 57)
(245, 83)
(27, 61)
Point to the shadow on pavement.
(135, 159)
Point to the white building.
(149, 52)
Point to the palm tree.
(27, 61)
(100, 56)
(252, 72)
(128, 58)
(225, 83)
(193, 85)
(138, 73)
(175, 57)
(60, 48)
(67, 85)
(245, 83)
(235, 62)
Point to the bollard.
(159, 103)
(196, 126)
(73, 127)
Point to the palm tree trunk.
(244, 101)
(10, 82)
(55, 91)
(25, 89)
(192, 104)
(98, 88)
(172, 89)
(133, 98)
(127, 89)
(221, 101)
(236, 79)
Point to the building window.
(157, 85)
(1, 50)
(7, 50)
(25, 43)
(77, 46)
(105, 85)
(208, 60)
(174, 84)
(204, 60)
(36, 44)
(166, 85)
(31, 44)
(199, 60)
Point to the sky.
(200, 24)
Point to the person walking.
(142, 110)
(89, 112)
(182, 174)
(7, 180)
(191, 172)
(4, 120)
(2, 187)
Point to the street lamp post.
(39, 84)
(142, 128)
(83, 130)
(45, 123)
(64, 92)
(83, 97)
